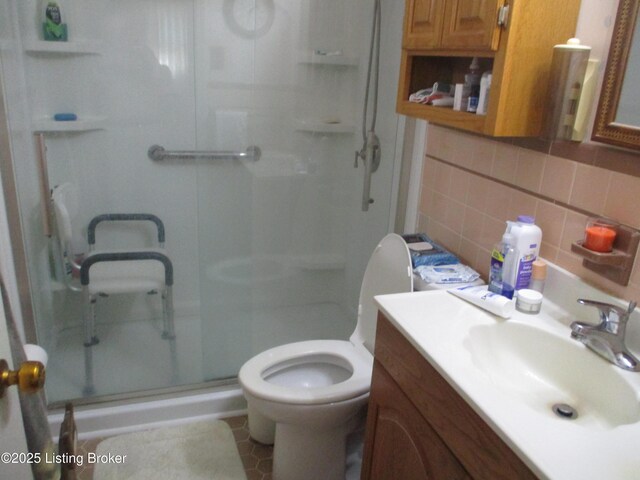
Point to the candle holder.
(622, 241)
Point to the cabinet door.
(471, 24)
(400, 443)
(423, 23)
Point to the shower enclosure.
(265, 250)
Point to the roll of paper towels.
(36, 353)
(568, 68)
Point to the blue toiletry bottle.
(502, 274)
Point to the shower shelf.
(86, 124)
(318, 126)
(81, 47)
(318, 261)
(338, 60)
(7, 44)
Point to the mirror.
(618, 116)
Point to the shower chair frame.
(83, 267)
(89, 299)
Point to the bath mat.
(194, 451)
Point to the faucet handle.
(632, 307)
(605, 310)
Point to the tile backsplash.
(471, 185)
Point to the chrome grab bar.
(158, 153)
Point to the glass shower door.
(129, 78)
(265, 252)
(275, 261)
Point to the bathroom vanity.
(460, 393)
(419, 427)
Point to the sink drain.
(565, 411)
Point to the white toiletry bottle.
(527, 239)
(485, 88)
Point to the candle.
(599, 238)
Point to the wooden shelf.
(444, 116)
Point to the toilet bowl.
(307, 397)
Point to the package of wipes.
(442, 274)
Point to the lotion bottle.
(527, 239)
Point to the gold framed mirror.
(612, 124)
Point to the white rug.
(205, 450)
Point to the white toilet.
(307, 397)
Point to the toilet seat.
(336, 352)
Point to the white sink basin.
(543, 369)
(511, 372)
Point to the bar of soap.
(65, 117)
(420, 246)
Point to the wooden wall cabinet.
(441, 38)
(418, 427)
(451, 24)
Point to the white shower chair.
(111, 272)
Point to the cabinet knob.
(29, 377)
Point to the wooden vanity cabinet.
(418, 427)
(441, 38)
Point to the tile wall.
(471, 185)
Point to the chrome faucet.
(607, 338)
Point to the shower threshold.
(117, 414)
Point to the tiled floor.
(256, 458)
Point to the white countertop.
(438, 325)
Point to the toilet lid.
(388, 271)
